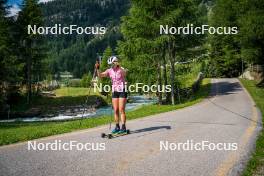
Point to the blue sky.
(14, 9)
(11, 2)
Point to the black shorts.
(122, 94)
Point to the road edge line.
(232, 160)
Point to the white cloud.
(13, 10)
(44, 1)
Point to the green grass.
(74, 91)
(256, 164)
(16, 132)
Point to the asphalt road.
(228, 116)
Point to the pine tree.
(104, 66)
(251, 35)
(9, 65)
(225, 49)
(144, 45)
(31, 49)
(107, 53)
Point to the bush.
(75, 83)
(86, 80)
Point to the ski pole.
(111, 117)
(89, 92)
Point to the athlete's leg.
(115, 103)
(122, 106)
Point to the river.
(137, 102)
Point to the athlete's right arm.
(103, 74)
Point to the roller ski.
(116, 133)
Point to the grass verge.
(21, 131)
(255, 165)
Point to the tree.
(10, 67)
(230, 52)
(143, 44)
(225, 49)
(86, 79)
(251, 35)
(30, 44)
(107, 53)
(140, 48)
(104, 65)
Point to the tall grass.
(256, 164)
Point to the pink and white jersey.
(117, 76)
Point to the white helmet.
(111, 60)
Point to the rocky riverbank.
(44, 111)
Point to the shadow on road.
(151, 129)
(224, 88)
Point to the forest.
(133, 35)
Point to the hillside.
(77, 53)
